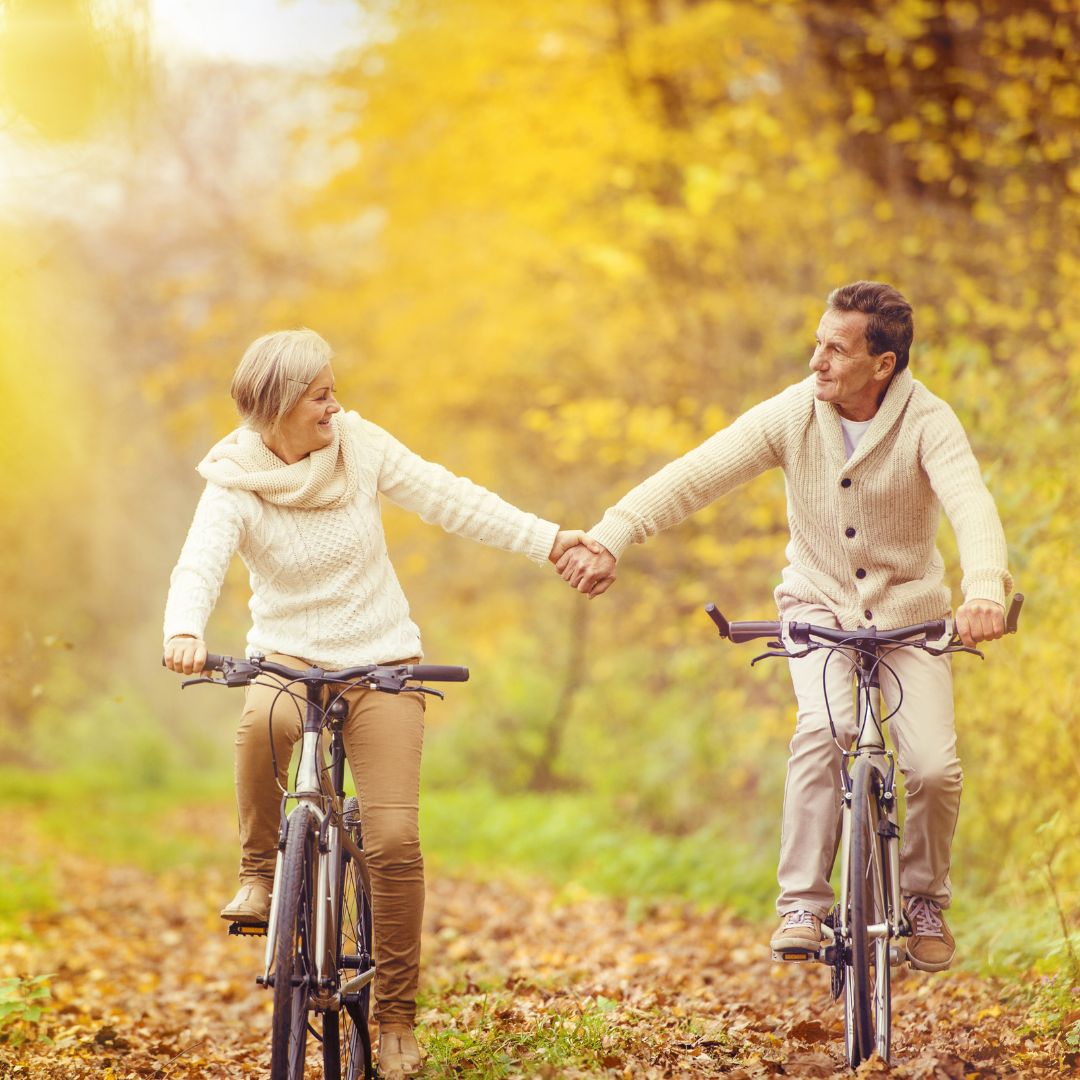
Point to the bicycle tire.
(868, 984)
(346, 1037)
(294, 968)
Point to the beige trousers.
(924, 736)
(383, 740)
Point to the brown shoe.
(399, 1054)
(798, 937)
(931, 945)
(250, 906)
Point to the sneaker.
(399, 1055)
(250, 906)
(798, 937)
(931, 945)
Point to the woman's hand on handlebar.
(979, 620)
(185, 654)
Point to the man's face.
(848, 376)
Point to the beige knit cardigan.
(862, 528)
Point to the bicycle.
(868, 924)
(319, 957)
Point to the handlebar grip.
(213, 662)
(721, 623)
(437, 673)
(1013, 616)
(747, 631)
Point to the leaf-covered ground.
(519, 982)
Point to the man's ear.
(884, 366)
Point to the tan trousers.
(924, 736)
(383, 740)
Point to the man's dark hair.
(889, 326)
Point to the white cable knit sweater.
(862, 528)
(311, 537)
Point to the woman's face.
(306, 426)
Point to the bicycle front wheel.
(346, 1038)
(294, 966)
(868, 1005)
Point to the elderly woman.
(295, 491)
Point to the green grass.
(139, 824)
(579, 840)
(1053, 1003)
(28, 887)
(545, 1044)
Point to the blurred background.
(554, 246)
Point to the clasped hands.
(584, 563)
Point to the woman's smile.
(293, 439)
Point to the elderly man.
(869, 456)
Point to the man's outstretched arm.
(725, 460)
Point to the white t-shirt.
(854, 430)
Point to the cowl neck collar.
(324, 480)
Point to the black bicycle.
(319, 947)
(868, 924)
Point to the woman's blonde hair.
(274, 372)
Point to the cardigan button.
(849, 532)
(868, 614)
(846, 482)
(860, 573)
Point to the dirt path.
(518, 982)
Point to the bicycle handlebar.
(802, 632)
(240, 670)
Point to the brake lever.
(964, 648)
(953, 645)
(771, 653)
(956, 645)
(428, 690)
(205, 679)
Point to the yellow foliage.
(560, 245)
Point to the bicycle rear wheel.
(868, 1005)
(294, 966)
(346, 1038)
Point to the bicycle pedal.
(237, 929)
(796, 956)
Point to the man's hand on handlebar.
(979, 620)
(185, 654)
